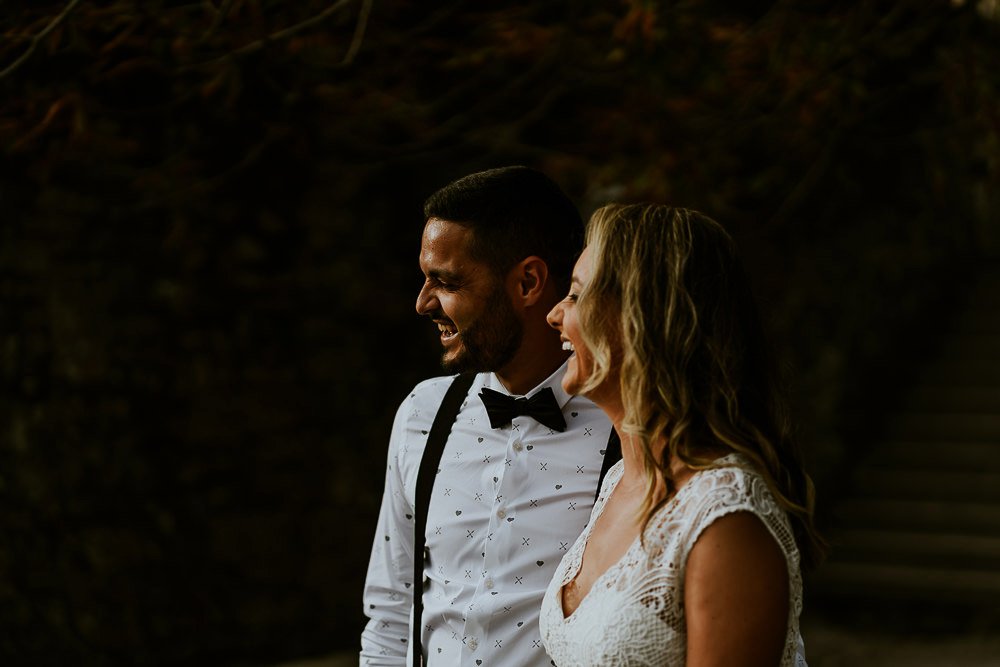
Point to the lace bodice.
(634, 613)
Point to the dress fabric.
(634, 613)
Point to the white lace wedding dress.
(634, 613)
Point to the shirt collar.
(553, 381)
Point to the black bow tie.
(542, 407)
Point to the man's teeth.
(568, 346)
(447, 330)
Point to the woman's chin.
(570, 385)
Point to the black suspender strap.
(612, 455)
(440, 430)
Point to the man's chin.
(462, 361)
(455, 361)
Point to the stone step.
(935, 397)
(975, 321)
(936, 486)
(964, 586)
(985, 293)
(936, 455)
(917, 515)
(961, 372)
(985, 300)
(970, 345)
(917, 549)
(921, 521)
(948, 426)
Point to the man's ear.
(530, 277)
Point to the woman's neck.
(633, 467)
(633, 471)
(633, 461)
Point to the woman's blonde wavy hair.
(668, 300)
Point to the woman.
(692, 554)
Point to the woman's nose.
(554, 318)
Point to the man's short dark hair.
(514, 212)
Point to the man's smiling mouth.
(448, 330)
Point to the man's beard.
(489, 343)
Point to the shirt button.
(501, 514)
(473, 644)
(518, 446)
(489, 583)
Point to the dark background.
(210, 213)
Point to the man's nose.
(425, 301)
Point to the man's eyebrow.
(444, 274)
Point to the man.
(507, 502)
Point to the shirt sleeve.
(388, 595)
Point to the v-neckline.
(666, 509)
(583, 552)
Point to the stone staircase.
(921, 521)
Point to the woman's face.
(564, 319)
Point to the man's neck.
(526, 372)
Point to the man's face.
(480, 330)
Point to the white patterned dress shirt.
(507, 504)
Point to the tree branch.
(220, 15)
(359, 32)
(253, 47)
(39, 37)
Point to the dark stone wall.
(194, 420)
